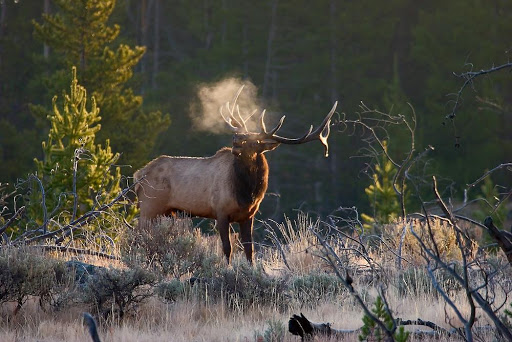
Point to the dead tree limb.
(11, 220)
(334, 261)
(468, 80)
(472, 293)
(74, 250)
(91, 325)
(307, 330)
(82, 220)
(502, 237)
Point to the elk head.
(246, 142)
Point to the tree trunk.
(208, 13)
(3, 16)
(156, 44)
(333, 166)
(270, 41)
(46, 48)
(245, 50)
(145, 14)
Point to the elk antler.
(321, 133)
(238, 125)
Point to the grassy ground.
(195, 321)
(301, 282)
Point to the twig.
(277, 243)
(399, 251)
(11, 220)
(469, 77)
(348, 284)
(74, 250)
(43, 202)
(488, 173)
(82, 220)
(464, 281)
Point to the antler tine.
(250, 116)
(262, 122)
(308, 133)
(242, 119)
(321, 133)
(240, 123)
(264, 128)
(231, 119)
(278, 126)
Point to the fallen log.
(307, 330)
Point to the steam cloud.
(206, 115)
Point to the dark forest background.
(302, 56)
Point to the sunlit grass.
(296, 278)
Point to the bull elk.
(227, 187)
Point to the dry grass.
(194, 321)
(211, 313)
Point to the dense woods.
(301, 55)
(408, 216)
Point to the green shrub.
(243, 286)
(170, 291)
(118, 291)
(28, 272)
(415, 281)
(170, 246)
(246, 285)
(310, 289)
(274, 333)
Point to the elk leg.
(223, 228)
(246, 237)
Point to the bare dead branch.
(80, 221)
(502, 237)
(11, 219)
(471, 293)
(468, 80)
(276, 243)
(486, 174)
(334, 261)
(91, 325)
(73, 250)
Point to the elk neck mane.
(250, 178)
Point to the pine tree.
(80, 33)
(75, 171)
(383, 199)
(370, 331)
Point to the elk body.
(227, 187)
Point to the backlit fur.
(228, 187)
